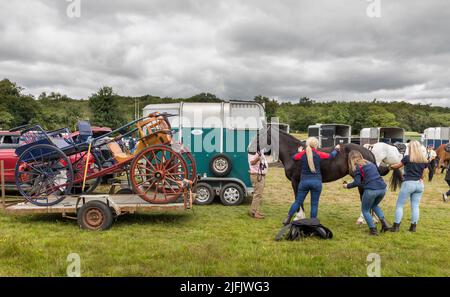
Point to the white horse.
(385, 154)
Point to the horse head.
(447, 148)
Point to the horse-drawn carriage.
(52, 165)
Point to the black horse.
(285, 145)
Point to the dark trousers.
(431, 169)
(448, 183)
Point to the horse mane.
(294, 139)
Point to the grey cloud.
(323, 49)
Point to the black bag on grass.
(300, 229)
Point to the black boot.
(384, 225)
(412, 228)
(287, 220)
(373, 231)
(395, 227)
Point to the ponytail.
(309, 156)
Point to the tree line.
(107, 108)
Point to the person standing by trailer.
(258, 169)
(311, 178)
(447, 179)
(366, 175)
(412, 186)
(431, 157)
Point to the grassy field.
(216, 240)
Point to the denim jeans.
(413, 190)
(370, 201)
(307, 185)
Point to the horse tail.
(396, 179)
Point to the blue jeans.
(413, 190)
(370, 201)
(308, 185)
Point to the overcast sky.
(323, 49)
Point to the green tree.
(270, 106)
(105, 108)
(380, 117)
(22, 108)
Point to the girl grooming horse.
(366, 175)
(311, 178)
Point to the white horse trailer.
(388, 135)
(435, 136)
(330, 134)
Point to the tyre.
(95, 215)
(124, 191)
(220, 165)
(231, 194)
(204, 194)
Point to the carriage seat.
(85, 129)
(117, 153)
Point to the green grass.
(216, 240)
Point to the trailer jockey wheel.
(95, 215)
(231, 194)
(220, 165)
(204, 194)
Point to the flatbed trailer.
(98, 211)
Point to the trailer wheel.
(220, 165)
(125, 191)
(204, 194)
(95, 215)
(231, 194)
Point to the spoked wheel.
(157, 174)
(79, 166)
(44, 175)
(188, 158)
(191, 166)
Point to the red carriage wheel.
(188, 158)
(157, 174)
(192, 167)
(79, 165)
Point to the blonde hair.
(311, 143)
(415, 152)
(355, 159)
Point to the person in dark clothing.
(412, 185)
(311, 178)
(366, 175)
(447, 179)
(431, 157)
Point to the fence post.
(2, 176)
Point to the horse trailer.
(217, 135)
(435, 136)
(388, 135)
(330, 134)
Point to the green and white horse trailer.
(217, 135)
